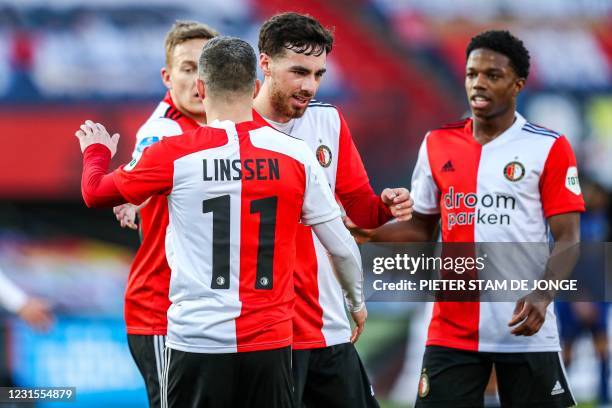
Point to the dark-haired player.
(293, 52)
(462, 169)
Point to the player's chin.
(298, 112)
(481, 113)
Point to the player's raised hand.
(37, 314)
(359, 318)
(91, 133)
(399, 202)
(126, 215)
(530, 312)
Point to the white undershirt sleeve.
(12, 297)
(346, 259)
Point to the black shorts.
(251, 379)
(331, 377)
(457, 378)
(148, 353)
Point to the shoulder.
(447, 130)
(314, 103)
(451, 127)
(162, 122)
(269, 138)
(321, 111)
(532, 128)
(542, 141)
(154, 130)
(159, 127)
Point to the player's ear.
(256, 88)
(200, 88)
(165, 76)
(518, 86)
(264, 63)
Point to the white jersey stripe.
(158, 358)
(569, 387)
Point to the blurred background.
(396, 71)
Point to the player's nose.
(309, 84)
(479, 82)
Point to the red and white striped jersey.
(236, 194)
(320, 319)
(146, 294)
(502, 191)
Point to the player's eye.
(470, 75)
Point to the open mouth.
(301, 100)
(479, 101)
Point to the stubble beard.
(281, 103)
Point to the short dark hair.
(227, 64)
(300, 33)
(505, 43)
(183, 31)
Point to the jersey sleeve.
(152, 132)
(97, 187)
(362, 205)
(150, 174)
(319, 204)
(425, 192)
(559, 186)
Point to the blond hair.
(183, 31)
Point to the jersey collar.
(240, 127)
(168, 99)
(514, 129)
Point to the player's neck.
(263, 105)
(236, 110)
(485, 130)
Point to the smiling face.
(491, 84)
(293, 81)
(179, 77)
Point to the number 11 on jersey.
(220, 209)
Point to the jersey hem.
(519, 348)
(315, 344)
(228, 349)
(148, 331)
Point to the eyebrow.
(304, 69)
(488, 70)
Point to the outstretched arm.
(420, 228)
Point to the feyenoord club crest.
(423, 384)
(514, 171)
(324, 155)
